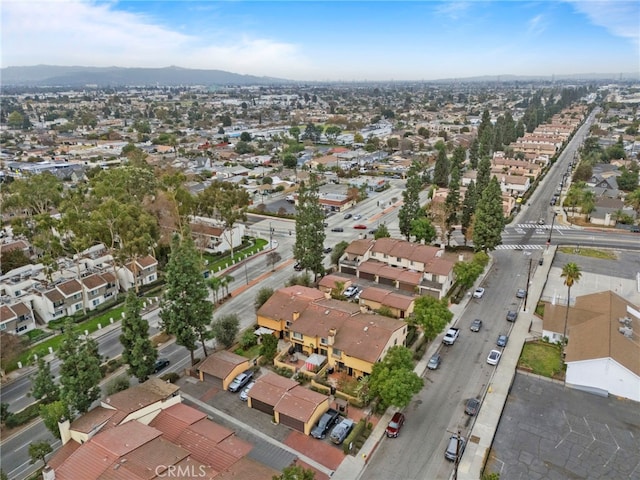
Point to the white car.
(351, 291)
(245, 393)
(478, 292)
(494, 357)
(357, 217)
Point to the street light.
(551, 231)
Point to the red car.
(393, 429)
(360, 227)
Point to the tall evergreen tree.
(474, 154)
(410, 208)
(484, 174)
(43, 386)
(468, 208)
(310, 234)
(458, 157)
(186, 310)
(441, 169)
(489, 222)
(138, 351)
(80, 373)
(452, 202)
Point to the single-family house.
(139, 272)
(17, 317)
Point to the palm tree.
(571, 274)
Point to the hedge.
(353, 436)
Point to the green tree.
(137, 350)
(289, 160)
(467, 273)
(338, 251)
(295, 133)
(484, 175)
(117, 384)
(452, 202)
(468, 209)
(382, 232)
(13, 259)
(431, 315)
(441, 169)
(225, 329)
(310, 233)
(571, 273)
(43, 386)
(489, 221)
(80, 373)
(262, 296)
(245, 137)
(311, 132)
(410, 208)
(37, 194)
(633, 200)
(393, 379)
(39, 451)
(332, 132)
(295, 472)
(186, 311)
(422, 229)
(628, 179)
(269, 347)
(474, 153)
(4, 412)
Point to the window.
(323, 341)
(78, 306)
(93, 293)
(336, 353)
(96, 302)
(297, 336)
(385, 256)
(288, 324)
(3, 326)
(76, 296)
(22, 328)
(395, 342)
(398, 259)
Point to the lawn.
(216, 264)
(542, 359)
(250, 353)
(589, 252)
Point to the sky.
(329, 40)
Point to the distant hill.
(49, 75)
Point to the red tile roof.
(300, 403)
(269, 388)
(221, 364)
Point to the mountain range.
(78, 76)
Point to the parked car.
(360, 227)
(393, 429)
(512, 315)
(521, 293)
(328, 250)
(472, 406)
(347, 216)
(351, 291)
(244, 395)
(434, 361)
(341, 430)
(161, 364)
(297, 267)
(455, 448)
(540, 261)
(240, 381)
(635, 229)
(327, 420)
(357, 217)
(478, 292)
(476, 325)
(337, 229)
(502, 340)
(494, 357)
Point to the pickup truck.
(451, 336)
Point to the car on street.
(357, 217)
(476, 325)
(347, 216)
(328, 250)
(341, 430)
(327, 420)
(373, 231)
(521, 293)
(393, 429)
(472, 406)
(512, 315)
(161, 364)
(244, 394)
(297, 267)
(478, 292)
(494, 357)
(502, 340)
(434, 361)
(455, 448)
(240, 381)
(541, 221)
(337, 229)
(360, 227)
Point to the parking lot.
(548, 431)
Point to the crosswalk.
(541, 227)
(520, 247)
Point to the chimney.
(64, 425)
(48, 473)
(295, 316)
(332, 336)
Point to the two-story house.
(17, 317)
(99, 288)
(139, 272)
(285, 306)
(63, 300)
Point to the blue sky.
(329, 40)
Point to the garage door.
(292, 422)
(368, 276)
(215, 381)
(262, 406)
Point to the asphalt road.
(437, 411)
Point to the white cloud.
(453, 10)
(620, 17)
(536, 25)
(75, 32)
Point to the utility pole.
(526, 292)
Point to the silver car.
(244, 395)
